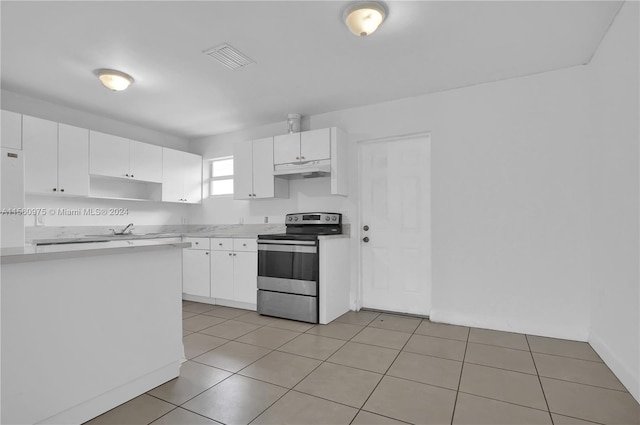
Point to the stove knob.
(289, 218)
(334, 218)
(295, 218)
(327, 218)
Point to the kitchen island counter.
(88, 326)
(65, 248)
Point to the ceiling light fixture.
(114, 80)
(363, 18)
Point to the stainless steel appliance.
(288, 266)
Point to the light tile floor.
(372, 368)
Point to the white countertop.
(69, 250)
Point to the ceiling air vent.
(229, 56)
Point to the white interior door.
(395, 211)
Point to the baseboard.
(535, 326)
(622, 371)
(107, 401)
(219, 301)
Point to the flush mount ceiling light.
(363, 18)
(114, 80)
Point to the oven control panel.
(314, 218)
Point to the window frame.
(213, 179)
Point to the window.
(221, 181)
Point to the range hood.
(303, 170)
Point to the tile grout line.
(389, 367)
(464, 356)
(539, 380)
(157, 419)
(288, 389)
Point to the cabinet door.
(263, 180)
(192, 178)
(172, 178)
(315, 144)
(243, 170)
(222, 274)
(73, 160)
(40, 145)
(145, 162)
(11, 196)
(195, 272)
(286, 148)
(11, 126)
(245, 268)
(108, 155)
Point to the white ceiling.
(306, 59)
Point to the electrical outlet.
(39, 220)
(266, 219)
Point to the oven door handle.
(285, 242)
(288, 248)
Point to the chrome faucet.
(123, 231)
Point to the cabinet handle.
(126, 175)
(229, 254)
(185, 199)
(131, 175)
(254, 195)
(234, 254)
(244, 244)
(197, 243)
(61, 190)
(55, 190)
(302, 157)
(297, 157)
(220, 244)
(206, 253)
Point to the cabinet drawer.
(222, 244)
(198, 243)
(245, 245)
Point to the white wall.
(137, 212)
(510, 197)
(615, 276)
(305, 195)
(153, 213)
(24, 104)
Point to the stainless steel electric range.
(288, 266)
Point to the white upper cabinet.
(253, 171)
(145, 162)
(108, 155)
(192, 178)
(11, 125)
(300, 147)
(315, 144)
(114, 156)
(73, 160)
(181, 177)
(243, 170)
(286, 148)
(40, 143)
(56, 157)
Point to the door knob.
(365, 239)
(365, 228)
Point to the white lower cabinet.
(245, 277)
(195, 268)
(222, 275)
(234, 269)
(222, 269)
